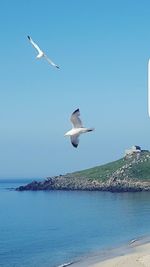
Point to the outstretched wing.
(74, 140)
(35, 45)
(77, 123)
(51, 62)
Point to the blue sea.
(47, 229)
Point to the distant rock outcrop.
(129, 174)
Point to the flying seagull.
(149, 87)
(41, 53)
(77, 129)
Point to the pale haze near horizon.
(103, 50)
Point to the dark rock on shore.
(70, 183)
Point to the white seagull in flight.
(41, 53)
(77, 129)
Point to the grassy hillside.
(133, 167)
(101, 172)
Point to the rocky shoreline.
(73, 183)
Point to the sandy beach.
(138, 257)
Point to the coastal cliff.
(128, 174)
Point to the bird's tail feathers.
(90, 129)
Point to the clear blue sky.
(103, 49)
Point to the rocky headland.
(128, 174)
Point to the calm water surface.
(41, 229)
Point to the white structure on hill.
(133, 150)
